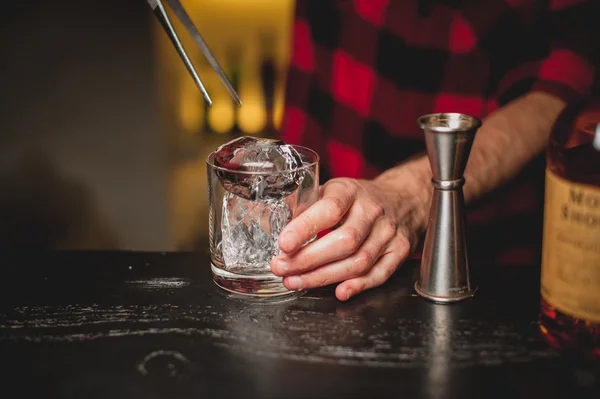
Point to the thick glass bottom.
(578, 338)
(253, 285)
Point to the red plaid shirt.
(363, 71)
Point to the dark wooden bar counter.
(153, 325)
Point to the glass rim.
(259, 173)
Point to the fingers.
(323, 214)
(359, 263)
(380, 272)
(361, 254)
(338, 244)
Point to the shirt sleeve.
(570, 68)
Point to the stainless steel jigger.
(444, 275)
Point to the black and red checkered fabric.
(363, 71)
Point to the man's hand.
(379, 221)
(377, 228)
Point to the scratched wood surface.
(153, 325)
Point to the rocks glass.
(243, 231)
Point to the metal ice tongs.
(159, 11)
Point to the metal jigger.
(444, 275)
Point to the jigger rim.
(466, 122)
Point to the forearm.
(507, 141)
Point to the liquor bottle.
(570, 277)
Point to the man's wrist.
(410, 183)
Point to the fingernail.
(291, 239)
(294, 283)
(281, 266)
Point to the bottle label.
(570, 278)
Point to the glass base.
(255, 286)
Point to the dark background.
(82, 153)
(103, 133)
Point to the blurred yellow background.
(242, 34)
(248, 38)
